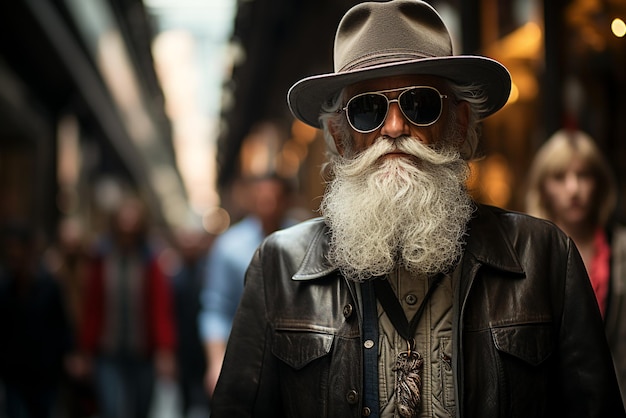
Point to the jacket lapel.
(488, 244)
(315, 263)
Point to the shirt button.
(347, 310)
(352, 397)
(368, 344)
(366, 412)
(411, 299)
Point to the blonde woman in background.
(570, 183)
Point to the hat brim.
(306, 97)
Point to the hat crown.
(400, 37)
(375, 33)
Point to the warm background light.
(618, 27)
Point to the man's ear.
(332, 129)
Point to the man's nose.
(395, 124)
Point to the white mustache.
(406, 145)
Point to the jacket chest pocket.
(299, 348)
(304, 367)
(530, 343)
(525, 364)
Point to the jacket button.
(352, 397)
(411, 299)
(347, 310)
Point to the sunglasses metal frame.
(389, 101)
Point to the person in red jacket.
(128, 330)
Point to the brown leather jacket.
(528, 337)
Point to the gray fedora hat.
(381, 39)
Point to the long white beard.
(411, 212)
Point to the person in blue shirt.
(229, 257)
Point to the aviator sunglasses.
(421, 105)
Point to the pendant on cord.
(408, 369)
(409, 364)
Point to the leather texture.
(528, 337)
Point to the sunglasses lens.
(421, 105)
(367, 112)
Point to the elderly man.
(407, 298)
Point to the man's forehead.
(385, 83)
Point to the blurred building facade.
(82, 118)
(82, 112)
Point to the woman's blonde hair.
(554, 156)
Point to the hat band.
(372, 61)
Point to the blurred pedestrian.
(129, 325)
(571, 184)
(68, 259)
(33, 325)
(188, 279)
(268, 201)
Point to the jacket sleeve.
(588, 379)
(222, 290)
(248, 383)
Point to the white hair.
(402, 211)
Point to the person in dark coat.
(407, 298)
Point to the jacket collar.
(486, 242)
(315, 263)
